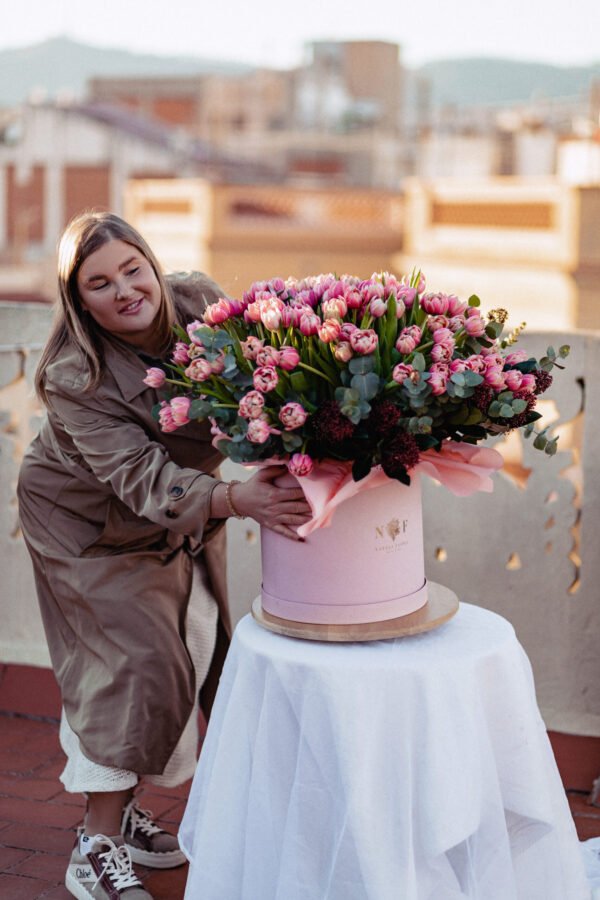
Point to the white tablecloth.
(411, 769)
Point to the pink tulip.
(364, 341)
(475, 326)
(353, 299)
(165, 418)
(265, 379)
(258, 431)
(155, 377)
(406, 342)
(434, 323)
(528, 383)
(293, 415)
(401, 372)
(300, 464)
(437, 383)
(181, 356)
(475, 363)
(329, 331)
(251, 405)
(456, 307)
(516, 357)
(494, 377)
(268, 356)
(199, 369)
(343, 352)
(288, 358)
(435, 304)
(217, 313)
(513, 379)
(458, 365)
(442, 352)
(407, 295)
(251, 346)
(252, 313)
(347, 329)
(180, 407)
(270, 315)
(309, 324)
(336, 308)
(378, 307)
(455, 323)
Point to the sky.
(273, 32)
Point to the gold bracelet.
(229, 501)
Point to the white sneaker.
(105, 872)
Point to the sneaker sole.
(76, 888)
(169, 860)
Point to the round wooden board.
(440, 607)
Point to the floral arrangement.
(372, 372)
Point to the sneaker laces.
(117, 865)
(141, 819)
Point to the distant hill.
(470, 82)
(61, 65)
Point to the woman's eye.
(100, 287)
(134, 271)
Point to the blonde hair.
(72, 326)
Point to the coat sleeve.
(119, 453)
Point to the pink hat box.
(366, 566)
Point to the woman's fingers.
(286, 531)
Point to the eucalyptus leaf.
(540, 442)
(474, 300)
(200, 409)
(519, 405)
(366, 385)
(472, 378)
(418, 362)
(506, 411)
(361, 365)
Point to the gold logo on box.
(393, 530)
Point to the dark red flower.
(330, 425)
(543, 380)
(384, 417)
(399, 454)
(483, 396)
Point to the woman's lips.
(132, 308)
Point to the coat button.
(171, 514)
(176, 491)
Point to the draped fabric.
(411, 769)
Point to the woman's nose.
(124, 289)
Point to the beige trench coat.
(113, 510)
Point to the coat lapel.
(127, 369)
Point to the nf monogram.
(392, 529)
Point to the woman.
(124, 527)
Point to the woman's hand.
(282, 509)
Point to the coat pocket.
(125, 532)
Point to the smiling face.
(119, 289)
